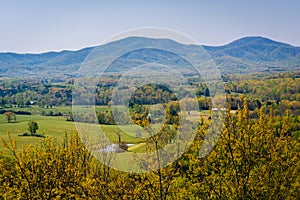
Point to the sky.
(35, 26)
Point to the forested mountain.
(246, 55)
(256, 54)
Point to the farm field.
(58, 127)
(35, 110)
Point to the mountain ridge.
(244, 55)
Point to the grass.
(57, 126)
(51, 126)
(194, 115)
(48, 126)
(138, 148)
(54, 109)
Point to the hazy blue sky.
(39, 26)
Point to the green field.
(57, 127)
(48, 126)
(55, 109)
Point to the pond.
(113, 148)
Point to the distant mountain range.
(246, 55)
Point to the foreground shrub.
(253, 159)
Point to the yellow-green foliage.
(253, 159)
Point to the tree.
(3, 101)
(33, 127)
(206, 92)
(253, 159)
(9, 116)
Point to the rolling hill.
(246, 55)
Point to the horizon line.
(93, 46)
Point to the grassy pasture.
(51, 126)
(55, 109)
(57, 126)
(48, 126)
